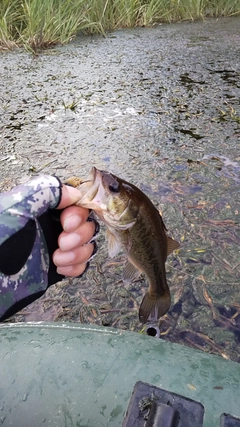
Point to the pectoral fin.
(113, 244)
(130, 273)
(172, 245)
(158, 305)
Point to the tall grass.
(9, 21)
(225, 7)
(48, 22)
(37, 24)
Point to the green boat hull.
(76, 375)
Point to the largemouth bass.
(134, 225)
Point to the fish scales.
(146, 250)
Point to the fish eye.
(114, 187)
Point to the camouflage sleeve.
(25, 260)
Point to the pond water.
(160, 108)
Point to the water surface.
(160, 108)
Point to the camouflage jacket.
(28, 237)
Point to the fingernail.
(72, 222)
(65, 271)
(64, 258)
(69, 242)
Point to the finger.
(73, 270)
(82, 235)
(78, 255)
(70, 195)
(72, 217)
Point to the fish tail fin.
(157, 306)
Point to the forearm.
(29, 232)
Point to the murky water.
(159, 107)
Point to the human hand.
(76, 246)
(35, 237)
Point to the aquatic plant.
(36, 25)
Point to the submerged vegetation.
(38, 24)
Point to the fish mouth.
(90, 178)
(89, 181)
(97, 173)
(94, 174)
(91, 190)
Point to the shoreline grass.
(35, 24)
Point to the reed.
(38, 24)
(9, 21)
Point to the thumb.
(70, 196)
